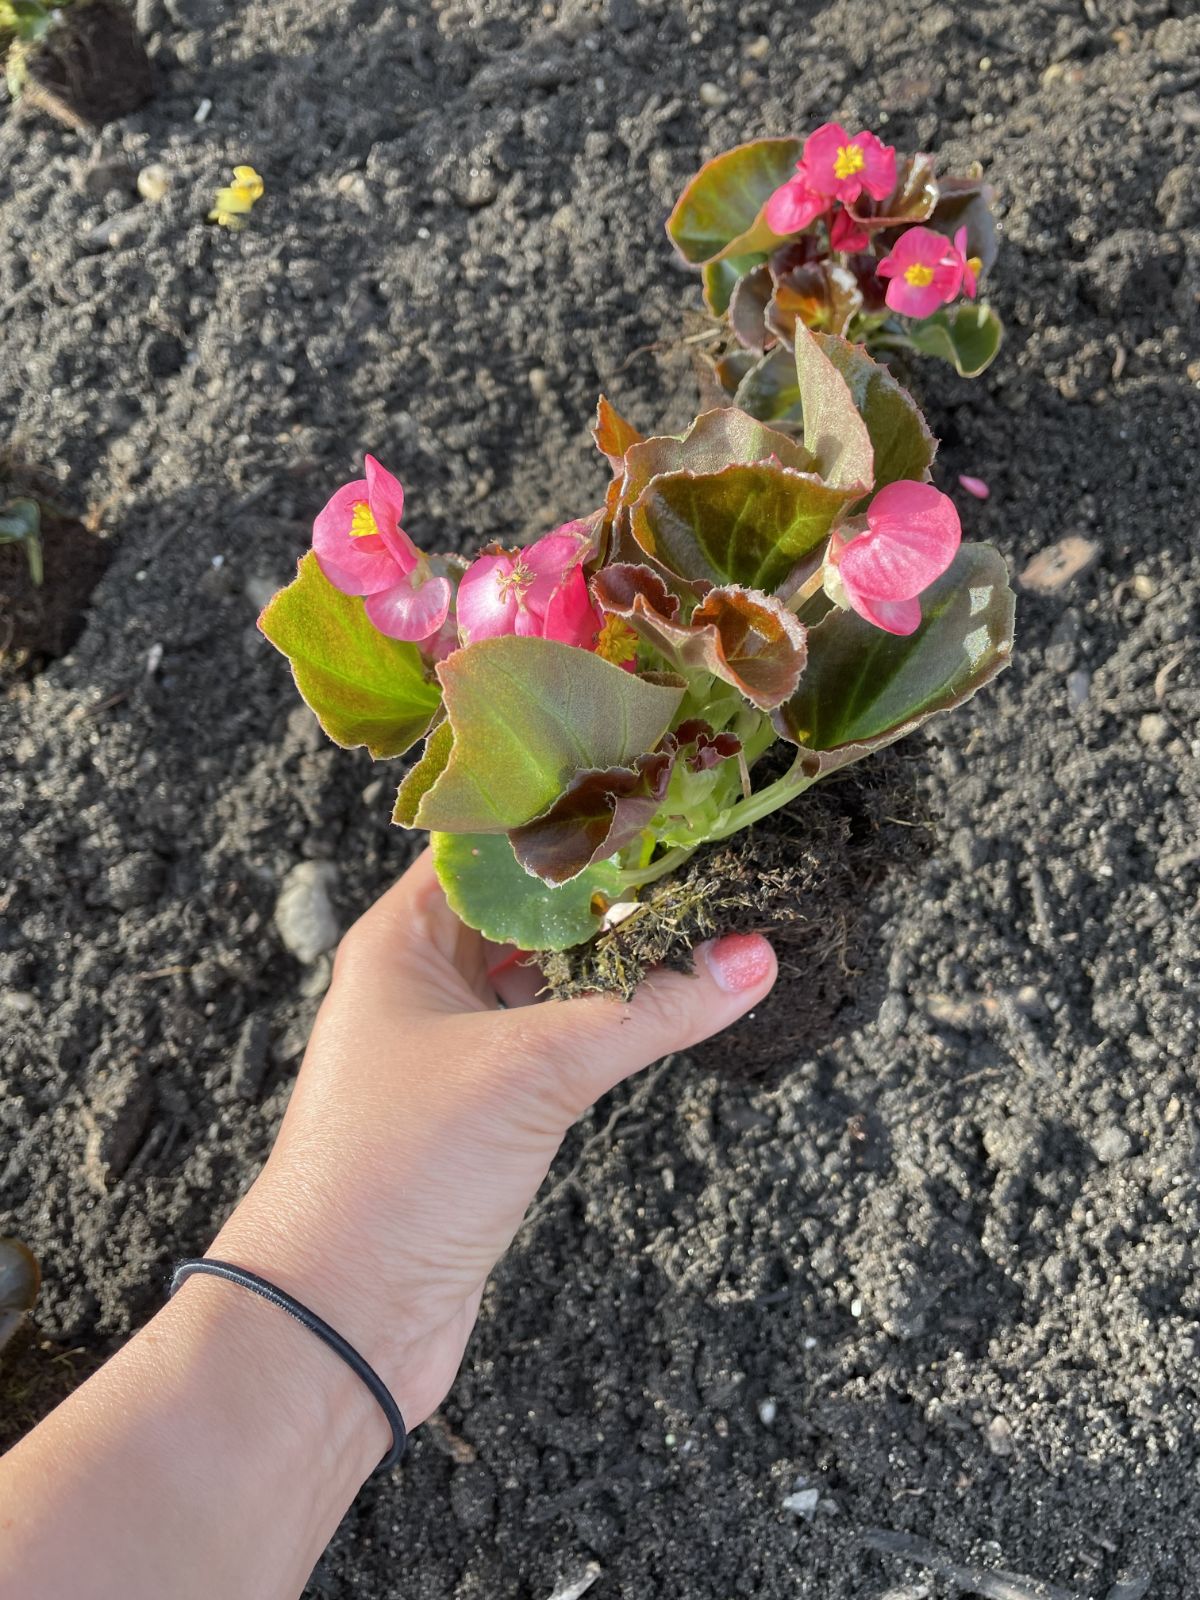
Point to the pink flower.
(845, 234)
(793, 206)
(927, 271)
(842, 167)
(911, 537)
(362, 549)
(537, 592)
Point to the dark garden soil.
(935, 1273)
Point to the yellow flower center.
(519, 579)
(975, 265)
(850, 159)
(616, 642)
(919, 275)
(362, 523)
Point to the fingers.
(586, 1046)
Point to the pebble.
(768, 1410)
(259, 590)
(18, 1000)
(803, 1503)
(1055, 566)
(249, 1061)
(999, 1437)
(153, 182)
(115, 1120)
(759, 49)
(1111, 1145)
(1154, 728)
(133, 881)
(304, 913)
(113, 231)
(713, 96)
(1079, 687)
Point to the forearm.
(214, 1455)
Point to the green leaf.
(420, 778)
(900, 438)
(748, 307)
(835, 435)
(864, 688)
(719, 213)
(770, 390)
(967, 336)
(528, 715)
(746, 525)
(365, 688)
(488, 889)
(721, 279)
(21, 523)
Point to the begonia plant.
(841, 234)
(596, 704)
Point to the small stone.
(1111, 1145)
(538, 382)
(803, 1503)
(1154, 728)
(372, 792)
(153, 182)
(304, 913)
(713, 96)
(1079, 686)
(1178, 198)
(893, 1014)
(318, 978)
(259, 590)
(768, 1410)
(1144, 586)
(133, 881)
(115, 1121)
(999, 1437)
(114, 231)
(19, 1001)
(250, 1053)
(758, 49)
(1053, 568)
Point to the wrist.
(297, 1238)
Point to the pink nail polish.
(740, 961)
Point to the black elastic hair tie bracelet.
(307, 1319)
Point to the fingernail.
(739, 961)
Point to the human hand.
(424, 1119)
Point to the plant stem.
(806, 591)
(793, 782)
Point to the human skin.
(216, 1453)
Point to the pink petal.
(792, 207)
(355, 566)
(960, 242)
(820, 158)
(912, 300)
(975, 486)
(410, 612)
(970, 280)
(570, 617)
(385, 496)
(913, 534)
(893, 616)
(485, 610)
(878, 176)
(549, 559)
(845, 234)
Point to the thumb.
(590, 1044)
